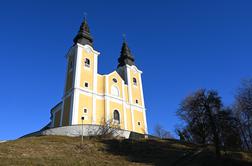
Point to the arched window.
(87, 62)
(135, 81)
(114, 91)
(116, 116)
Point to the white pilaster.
(143, 103)
(94, 87)
(75, 97)
(124, 107)
(130, 97)
(107, 102)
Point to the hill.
(59, 150)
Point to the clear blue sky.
(180, 46)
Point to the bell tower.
(132, 76)
(81, 74)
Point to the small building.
(94, 99)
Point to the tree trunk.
(215, 132)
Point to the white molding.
(143, 103)
(134, 68)
(124, 107)
(130, 97)
(95, 67)
(75, 98)
(78, 67)
(89, 47)
(110, 97)
(145, 122)
(141, 88)
(75, 110)
(107, 101)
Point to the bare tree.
(108, 129)
(243, 111)
(160, 132)
(198, 112)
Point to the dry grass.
(57, 150)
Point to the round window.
(114, 80)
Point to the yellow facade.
(66, 112)
(97, 97)
(57, 118)
(100, 84)
(85, 102)
(86, 74)
(100, 111)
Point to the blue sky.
(180, 46)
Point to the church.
(90, 98)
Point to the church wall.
(85, 102)
(136, 90)
(126, 93)
(100, 84)
(57, 118)
(100, 111)
(119, 108)
(118, 84)
(138, 116)
(87, 72)
(69, 77)
(129, 120)
(66, 112)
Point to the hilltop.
(60, 150)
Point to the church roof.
(84, 36)
(126, 57)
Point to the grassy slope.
(56, 150)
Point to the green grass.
(59, 150)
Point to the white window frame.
(117, 121)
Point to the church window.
(114, 80)
(137, 101)
(116, 116)
(139, 123)
(114, 91)
(85, 110)
(86, 84)
(134, 81)
(87, 62)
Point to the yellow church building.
(95, 98)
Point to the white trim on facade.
(124, 107)
(130, 97)
(143, 103)
(94, 86)
(107, 101)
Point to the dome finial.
(126, 58)
(84, 37)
